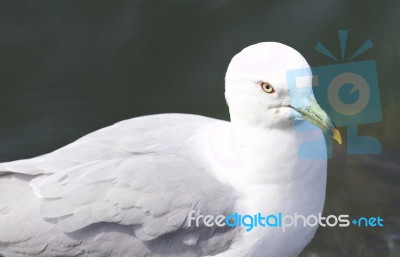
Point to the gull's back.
(125, 190)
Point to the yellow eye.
(267, 87)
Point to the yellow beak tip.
(336, 136)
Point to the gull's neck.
(261, 148)
(258, 154)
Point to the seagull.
(130, 188)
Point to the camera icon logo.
(349, 93)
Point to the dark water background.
(68, 68)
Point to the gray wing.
(134, 204)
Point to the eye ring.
(267, 88)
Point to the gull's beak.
(314, 114)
